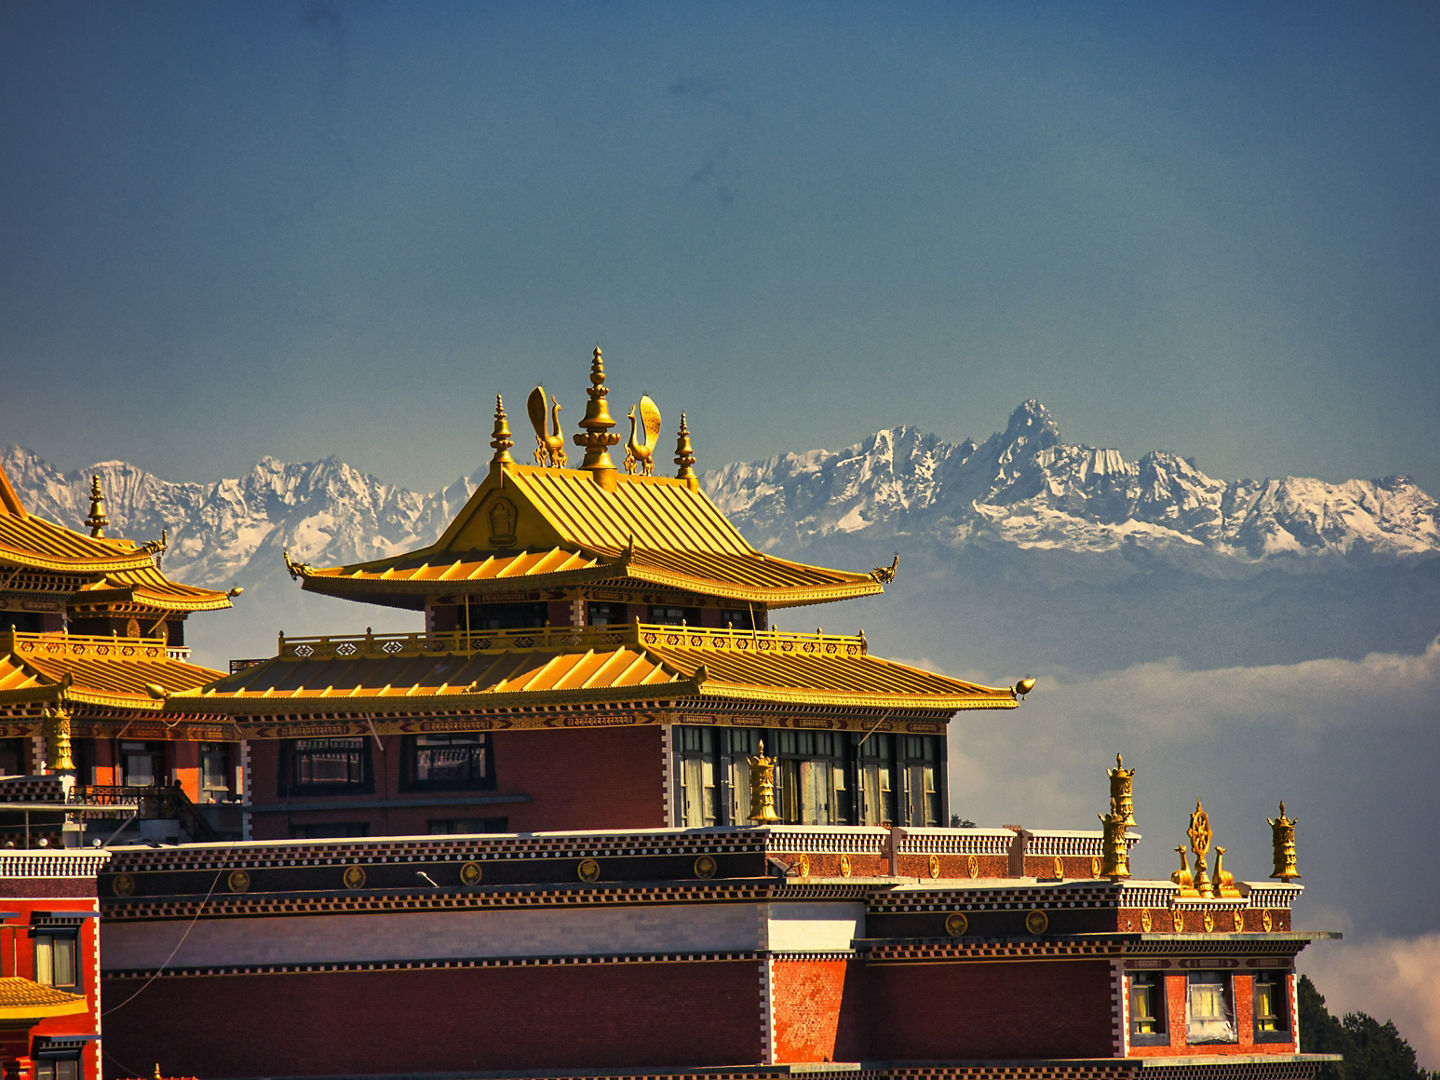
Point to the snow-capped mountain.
(1027, 488)
(1135, 557)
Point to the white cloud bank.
(1391, 979)
(1350, 745)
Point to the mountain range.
(1024, 546)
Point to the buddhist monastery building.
(91, 641)
(602, 817)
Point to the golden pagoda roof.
(148, 588)
(108, 672)
(417, 674)
(534, 527)
(25, 999)
(124, 573)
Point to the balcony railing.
(659, 635)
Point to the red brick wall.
(593, 778)
(919, 1012)
(1243, 999)
(359, 1023)
(817, 1010)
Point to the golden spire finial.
(1115, 853)
(762, 788)
(1122, 791)
(685, 457)
(500, 436)
(1282, 836)
(57, 738)
(597, 438)
(97, 519)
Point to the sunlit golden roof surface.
(634, 663)
(25, 999)
(147, 587)
(102, 671)
(570, 530)
(123, 572)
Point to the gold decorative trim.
(1095, 866)
(588, 870)
(1239, 921)
(354, 876)
(934, 866)
(1059, 865)
(1036, 922)
(845, 868)
(804, 865)
(1146, 922)
(124, 885)
(470, 874)
(972, 865)
(238, 881)
(1209, 922)
(705, 866)
(956, 924)
(1177, 919)
(1267, 921)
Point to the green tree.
(1372, 1050)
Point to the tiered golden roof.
(109, 573)
(104, 672)
(538, 527)
(421, 674)
(565, 529)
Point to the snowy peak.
(1024, 486)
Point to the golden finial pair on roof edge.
(596, 436)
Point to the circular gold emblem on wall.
(1209, 922)
(1145, 921)
(934, 866)
(1267, 922)
(1036, 921)
(804, 865)
(705, 866)
(972, 865)
(1239, 921)
(238, 881)
(354, 877)
(845, 868)
(124, 885)
(1059, 866)
(589, 869)
(956, 923)
(1095, 865)
(1177, 917)
(470, 873)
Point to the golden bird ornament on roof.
(549, 445)
(640, 453)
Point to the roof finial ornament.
(549, 445)
(97, 519)
(597, 438)
(500, 436)
(685, 457)
(886, 574)
(640, 453)
(1282, 833)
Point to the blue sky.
(304, 229)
